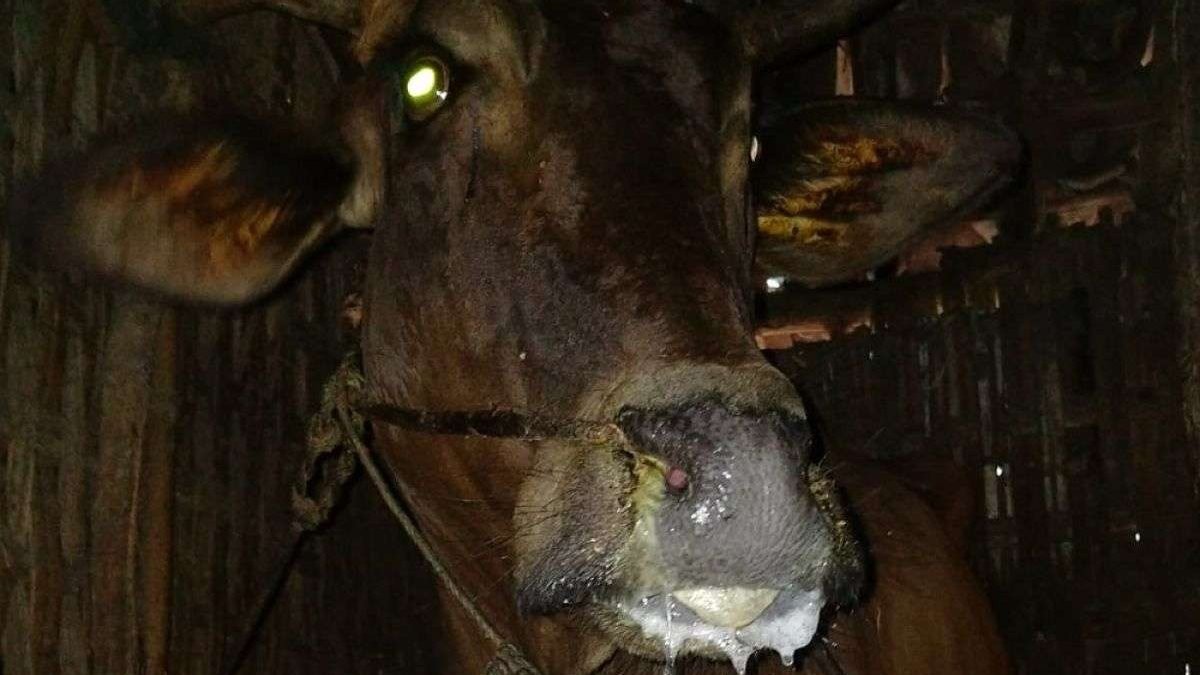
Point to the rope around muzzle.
(335, 449)
(335, 441)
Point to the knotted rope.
(335, 449)
(330, 461)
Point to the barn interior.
(1045, 346)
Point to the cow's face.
(579, 247)
(560, 193)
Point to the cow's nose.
(737, 512)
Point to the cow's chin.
(661, 626)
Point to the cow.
(568, 200)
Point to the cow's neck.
(464, 507)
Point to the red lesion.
(676, 479)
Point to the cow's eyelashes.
(424, 86)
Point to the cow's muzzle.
(745, 541)
(745, 516)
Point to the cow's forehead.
(512, 37)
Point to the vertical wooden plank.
(155, 506)
(75, 491)
(46, 573)
(195, 632)
(125, 397)
(26, 473)
(1183, 134)
(18, 489)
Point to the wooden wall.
(1176, 159)
(1050, 374)
(146, 454)
(1057, 365)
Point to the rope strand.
(335, 449)
(410, 528)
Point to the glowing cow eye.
(426, 86)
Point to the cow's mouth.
(728, 623)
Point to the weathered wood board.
(147, 453)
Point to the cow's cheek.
(574, 512)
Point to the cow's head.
(560, 192)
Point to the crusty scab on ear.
(842, 186)
(215, 211)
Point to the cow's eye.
(425, 86)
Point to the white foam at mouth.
(784, 631)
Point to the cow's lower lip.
(787, 625)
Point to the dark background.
(147, 453)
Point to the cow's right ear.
(197, 211)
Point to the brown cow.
(559, 190)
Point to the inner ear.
(195, 210)
(843, 186)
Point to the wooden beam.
(968, 278)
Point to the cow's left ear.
(199, 211)
(842, 186)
